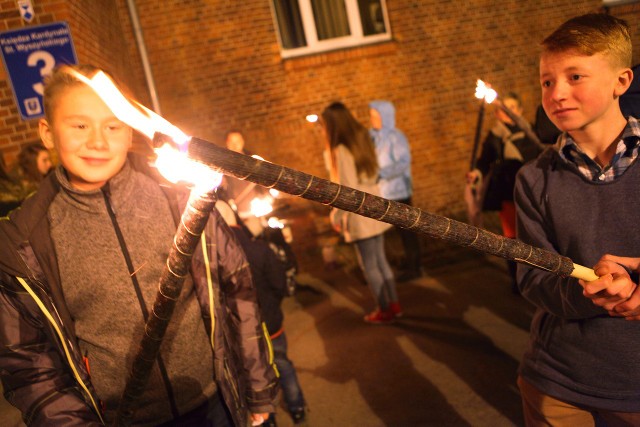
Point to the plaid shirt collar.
(626, 153)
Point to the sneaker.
(395, 309)
(378, 316)
(298, 416)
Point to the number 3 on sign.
(46, 62)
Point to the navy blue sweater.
(577, 352)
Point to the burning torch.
(487, 95)
(297, 183)
(214, 158)
(473, 197)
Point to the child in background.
(269, 277)
(11, 193)
(34, 163)
(353, 163)
(580, 199)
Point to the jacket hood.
(387, 113)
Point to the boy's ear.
(46, 134)
(624, 81)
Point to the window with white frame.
(310, 26)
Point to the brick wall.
(217, 66)
(102, 36)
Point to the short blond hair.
(60, 79)
(590, 34)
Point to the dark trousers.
(213, 413)
(411, 246)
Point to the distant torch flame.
(485, 92)
(274, 222)
(172, 163)
(261, 207)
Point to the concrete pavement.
(450, 361)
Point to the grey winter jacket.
(41, 368)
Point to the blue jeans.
(288, 378)
(377, 270)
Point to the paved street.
(450, 361)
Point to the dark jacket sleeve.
(34, 377)
(240, 299)
(274, 272)
(560, 296)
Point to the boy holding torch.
(80, 264)
(580, 199)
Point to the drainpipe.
(137, 31)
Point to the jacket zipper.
(136, 285)
(212, 312)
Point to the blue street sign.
(29, 54)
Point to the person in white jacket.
(353, 164)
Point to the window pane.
(331, 18)
(289, 23)
(372, 17)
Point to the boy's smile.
(92, 143)
(580, 93)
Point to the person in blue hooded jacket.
(394, 159)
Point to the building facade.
(218, 65)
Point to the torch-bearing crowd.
(82, 255)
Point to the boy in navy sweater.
(580, 199)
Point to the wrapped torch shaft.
(192, 223)
(476, 138)
(351, 200)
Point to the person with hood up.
(394, 160)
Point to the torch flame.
(485, 92)
(173, 164)
(261, 207)
(274, 222)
